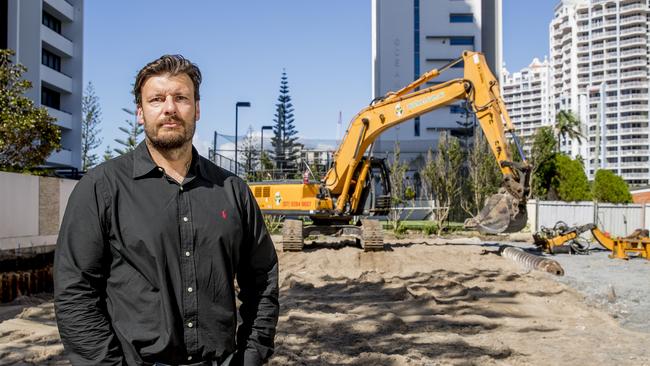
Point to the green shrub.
(429, 229)
(609, 187)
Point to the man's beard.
(171, 140)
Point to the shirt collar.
(143, 164)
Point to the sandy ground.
(415, 304)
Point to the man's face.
(168, 111)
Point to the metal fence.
(617, 219)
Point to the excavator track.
(292, 240)
(372, 235)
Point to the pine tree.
(108, 153)
(90, 119)
(285, 152)
(133, 132)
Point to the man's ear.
(139, 114)
(198, 111)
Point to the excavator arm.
(505, 211)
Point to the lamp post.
(237, 105)
(262, 145)
(262, 137)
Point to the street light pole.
(262, 145)
(237, 105)
(262, 137)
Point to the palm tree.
(567, 125)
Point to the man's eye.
(181, 97)
(156, 99)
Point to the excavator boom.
(343, 191)
(503, 212)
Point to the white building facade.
(411, 37)
(47, 36)
(528, 98)
(600, 61)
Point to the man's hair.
(167, 64)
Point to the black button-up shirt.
(145, 267)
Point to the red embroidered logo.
(224, 214)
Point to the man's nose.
(169, 106)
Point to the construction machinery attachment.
(562, 238)
(637, 242)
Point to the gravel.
(619, 287)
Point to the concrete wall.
(619, 220)
(31, 209)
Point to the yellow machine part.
(620, 247)
(289, 198)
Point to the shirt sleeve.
(257, 276)
(81, 264)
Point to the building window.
(461, 18)
(50, 60)
(457, 109)
(416, 127)
(50, 98)
(51, 22)
(461, 41)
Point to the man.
(152, 241)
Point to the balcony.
(640, 30)
(56, 79)
(632, 7)
(57, 41)
(634, 152)
(634, 96)
(629, 74)
(633, 107)
(62, 8)
(634, 85)
(636, 62)
(634, 142)
(633, 19)
(634, 52)
(633, 175)
(63, 119)
(633, 119)
(633, 130)
(634, 164)
(597, 46)
(640, 40)
(62, 157)
(600, 35)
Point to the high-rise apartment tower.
(47, 36)
(410, 37)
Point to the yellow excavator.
(340, 204)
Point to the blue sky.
(242, 48)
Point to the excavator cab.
(377, 192)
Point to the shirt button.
(185, 219)
(189, 289)
(181, 188)
(160, 169)
(187, 254)
(190, 325)
(189, 358)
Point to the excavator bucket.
(502, 213)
